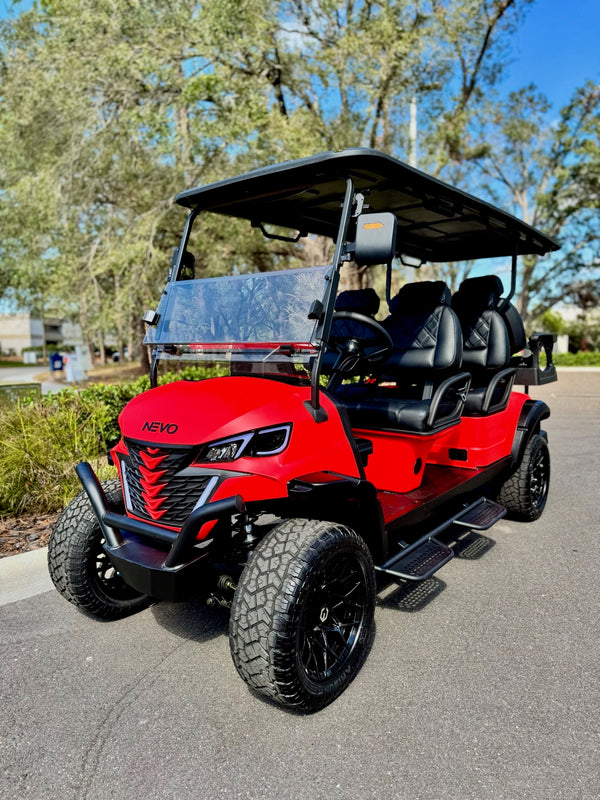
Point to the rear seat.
(489, 339)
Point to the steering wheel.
(354, 346)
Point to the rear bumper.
(137, 549)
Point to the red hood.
(192, 412)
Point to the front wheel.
(80, 569)
(525, 492)
(302, 615)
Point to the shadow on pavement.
(192, 620)
(410, 595)
(473, 546)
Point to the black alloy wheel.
(302, 616)
(80, 569)
(334, 614)
(525, 491)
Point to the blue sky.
(557, 48)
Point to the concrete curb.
(24, 576)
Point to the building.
(21, 330)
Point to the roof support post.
(513, 276)
(324, 325)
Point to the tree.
(109, 107)
(548, 175)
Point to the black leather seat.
(363, 301)
(489, 339)
(428, 394)
(360, 301)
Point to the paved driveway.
(482, 683)
(27, 375)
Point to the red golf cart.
(347, 445)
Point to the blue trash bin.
(56, 362)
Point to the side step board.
(420, 560)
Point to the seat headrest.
(363, 301)
(421, 296)
(481, 292)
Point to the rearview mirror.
(375, 239)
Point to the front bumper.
(141, 558)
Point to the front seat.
(428, 389)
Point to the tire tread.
(265, 603)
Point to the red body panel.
(193, 413)
(485, 439)
(189, 413)
(398, 459)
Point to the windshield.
(216, 317)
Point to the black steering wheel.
(354, 346)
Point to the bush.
(40, 444)
(581, 359)
(42, 439)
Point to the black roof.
(436, 222)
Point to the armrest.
(460, 384)
(507, 375)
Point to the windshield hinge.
(359, 200)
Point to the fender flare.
(532, 414)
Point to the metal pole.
(323, 329)
(412, 132)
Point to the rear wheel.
(525, 492)
(302, 615)
(80, 569)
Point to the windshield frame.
(321, 310)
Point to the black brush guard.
(152, 570)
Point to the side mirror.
(151, 317)
(375, 239)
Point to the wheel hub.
(334, 617)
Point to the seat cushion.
(407, 415)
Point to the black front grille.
(158, 486)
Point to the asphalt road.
(482, 683)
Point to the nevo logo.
(160, 427)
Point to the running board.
(420, 560)
(481, 515)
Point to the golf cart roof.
(436, 222)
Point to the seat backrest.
(425, 331)
(361, 301)
(490, 335)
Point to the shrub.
(39, 446)
(580, 359)
(42, 439)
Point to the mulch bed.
(28, 532)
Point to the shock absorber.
(250, 538)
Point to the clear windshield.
(240, 313)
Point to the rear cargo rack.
(529, 371)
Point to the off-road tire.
(79, 567)
(302, 615)
(525, 492)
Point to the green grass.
(9, 364)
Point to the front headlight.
(260, 443)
